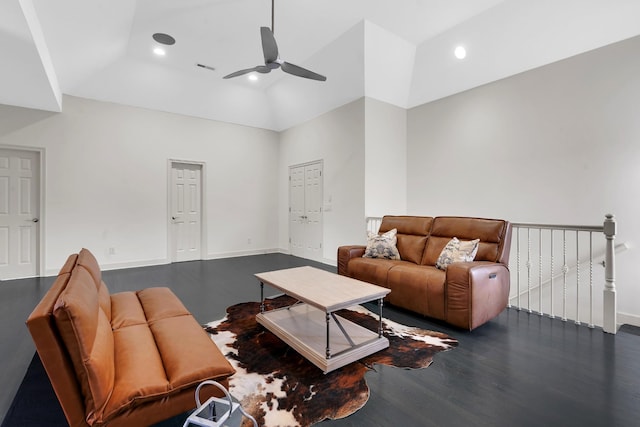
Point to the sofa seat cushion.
(126, 310)
(139, 374)
(160, 303)
(188, 353)
(161, 358)
(372, 270)
(418, 288)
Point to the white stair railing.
(373, 224)
(560, 275)
(552, 272)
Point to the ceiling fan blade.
(269, 45)
(262, 69)
(301, 72)
(245, 71)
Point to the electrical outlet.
(112, 251)
(249, 241)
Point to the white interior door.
(296, 210)
(186, 211)
(305, 210)
(19, 211)
(313, 211)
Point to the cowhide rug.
(278, 387)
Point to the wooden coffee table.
(311, 327)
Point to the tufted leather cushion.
(86, 332)
(89, 262)
(418, 288)
(137, 369)
(372, 270)
(491, 233)
(412, 234)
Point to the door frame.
(171, 256)
(313, 162)
(40, 229)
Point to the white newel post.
(609, 300)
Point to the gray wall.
(559, 144)
(338, 138)
(106, 180)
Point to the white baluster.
(609, 293)
(529, 270)
(591, 280)
(577, 319)
(565, 270)
(551, 312)
(518, 270)
(540, 271)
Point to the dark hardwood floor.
(517, 370)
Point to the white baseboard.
(628, 319)
(133, 264)
(221, 255)
(117, 265)
(332, 262)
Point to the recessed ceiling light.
(253, 77)
(460, 52)
(159, 51)
(163, 38)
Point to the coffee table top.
(322, 289)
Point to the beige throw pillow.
(382, 245)
(457, 251)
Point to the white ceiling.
(397, 51)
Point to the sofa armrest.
(345, 253)
(475, 292)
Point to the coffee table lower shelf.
(304, 328)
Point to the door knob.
(33, 220)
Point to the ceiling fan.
(272, 59)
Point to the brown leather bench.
(127, 359)
(466, 294)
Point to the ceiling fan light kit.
(272, 59)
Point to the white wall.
(106, 179)
(559, 144)
(388, 65)
(337, 138)
(385, 159)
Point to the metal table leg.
(380, 323)
(327, 316)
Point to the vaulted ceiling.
(396, 51)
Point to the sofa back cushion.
(86, 332)
(412, 234)
(493, 234)
(89, 262)
(52, 351)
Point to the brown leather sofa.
(466, 295)
(127, 359)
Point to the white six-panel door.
(19, 211)
(305, 211)
(296, 210)
(186, 211)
